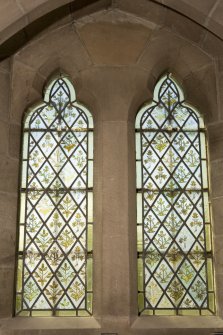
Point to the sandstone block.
(114, 44)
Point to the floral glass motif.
(54, 271)
(175, 270)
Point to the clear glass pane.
(65, 313)
(24, 313)
(89, 302)
(141, 301)
(139, 207)
(208, 237)
(89, 274)
(83, 313)
(211, 300)
(90, 174)
(204, 174)
(147, 311)
(90, 145)
(188, 312)
(25, 145)
(138, 146)
(21, 238)
(139, 239)
(140, 274)
(206, 207)
(203, 145)
(90, 207)
(165, 312)
(19, 276)
(24, 174)
(18, 303)
(210, 275)
(22, 207)
(90, 237)
(206, 312)
(38, 313)
(138, 175)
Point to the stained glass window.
(175, 268)
(54, 263)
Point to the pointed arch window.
(175, 268)
(54, 263)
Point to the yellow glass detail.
(140, 274)
(192, 312)
(140, 301)
(139, 238)
(89, 274)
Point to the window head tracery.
(175, 268)
(54, 260)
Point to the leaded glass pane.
(175, 270)
(54, 271)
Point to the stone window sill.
(180, 322)
(49, 323)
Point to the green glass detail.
(175, 265)
(54, 273)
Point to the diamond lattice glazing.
(54, 275)
(175, 273)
